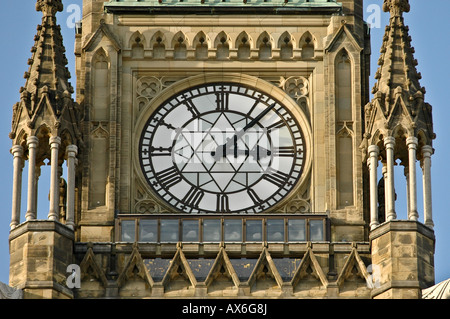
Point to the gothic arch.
(422, 135)
(158, 38)
(244, 44)
(180, 43)
(222, 38)
(100, 55)
(100, 86)
(21, 138)
(244, 38)
(137, 38)
(137, 44)
(222, 43)
(158, 44)
(286, 44)
(343, 81)
(179, 37)
(201, 38)
(201, 44)
(308, 44)
(265, 44)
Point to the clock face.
(222, 148)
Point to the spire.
(46, 95)
(48, 72)
(396, 7)
(49, 7)
(397, 63)
(398, 96)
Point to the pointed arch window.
(243, 44)
(179, 44)
(344, 152)
(201, 45)
(100, 85)
(307, 44)
(222, 43)
(343, 87)
(286, 45)
(159, 48)
(264, 44)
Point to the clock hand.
(259, 152)
(221, 150)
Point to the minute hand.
(239, 134)
(222, 150)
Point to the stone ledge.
(395, 284)
(401, 225)
(29, 286)
(41, 226)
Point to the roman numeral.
(222, 99)
(284, 151)
(253, 196)
(193, 197)
(276, 125)
(277, 178)
(160, 151)
(161, 122)
(223, 203)
(192, 108)
(168, 177)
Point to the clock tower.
(225, 148)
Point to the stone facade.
(312, 56)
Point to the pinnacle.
(49, 7)
(396, 7)
(398, 95)
(397, 62)
(48, 72)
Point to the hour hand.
(259, 152)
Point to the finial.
(49, 8)
(396, 7)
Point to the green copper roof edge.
(233, 4)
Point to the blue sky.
(429, 29)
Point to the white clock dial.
(222, 148)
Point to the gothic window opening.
(100, 85)
(137, 49)
(307, 46)
(159, 49)
(286, 46)
(344, 138)
(265, 46)
(201, 46)
(243, 45)
(180, 46)
(222, 43)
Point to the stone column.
(412, 143)
(373, 164)
(53, 213)
(72, 151)
(389, 143)
(17, 152)
(408, 200)
(384, 172)
(427, 151)
(32, 143)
